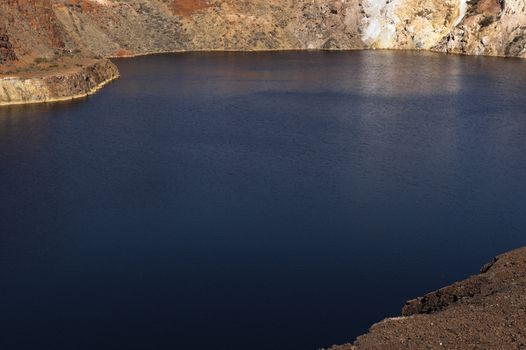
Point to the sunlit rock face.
(323, 24)
(57, 86)
(409, 24)
(490, 27)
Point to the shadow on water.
(279, 200)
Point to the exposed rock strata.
(486, 311)
(57, 86)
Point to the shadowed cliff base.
(483, 312)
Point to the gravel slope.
(487, 311)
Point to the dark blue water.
(255, 201)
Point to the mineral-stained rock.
(55, 86)
(105, 27)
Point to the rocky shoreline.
(51, 31)
(486, 311)
(66, 84)
(69, 84)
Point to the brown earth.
(487, 311)
(106, 28)
(187, 7)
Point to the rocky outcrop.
(57, 86)
(473, 27)
(490, 27)
(408, 24)
(7, 54)
(483, 312)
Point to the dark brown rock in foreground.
(487, 311)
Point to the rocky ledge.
(487, 311)
(76, 81)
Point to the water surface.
(255, 201)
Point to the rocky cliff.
(34, 33)
(57, 85)
(49, 28)
(490, 27)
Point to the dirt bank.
(487, 311)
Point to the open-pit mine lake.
(255, 200)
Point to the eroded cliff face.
(490, 27)
(51, 28)
(39, 35)
(120, 28)
(408, 24)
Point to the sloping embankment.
(487, 311)
(52, 86)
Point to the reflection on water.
(263, 201)
(430, 77)
(30, 122)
